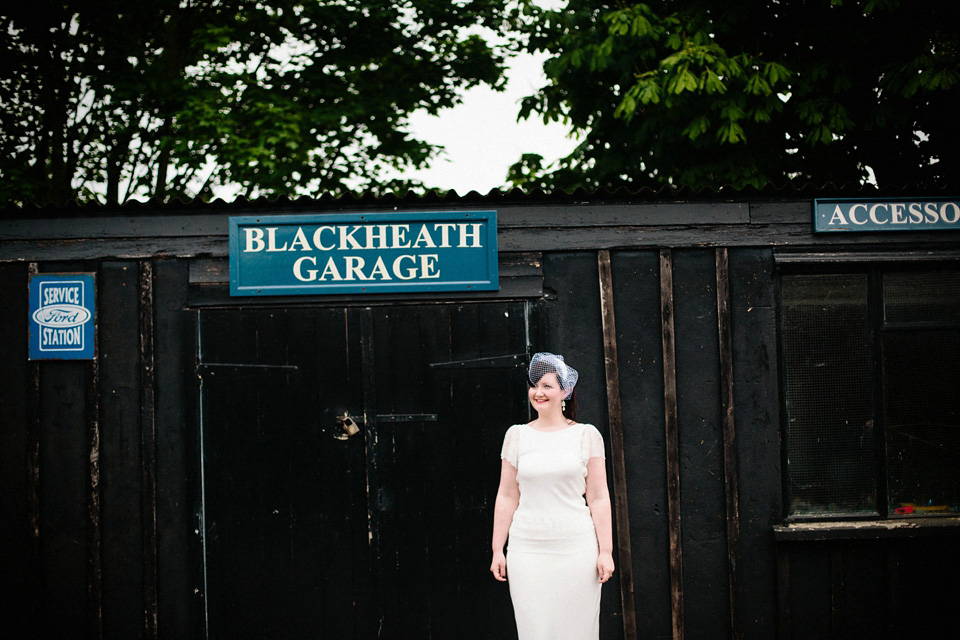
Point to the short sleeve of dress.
(591, 443)
(511, 449)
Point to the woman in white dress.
(554, 505)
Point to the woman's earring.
(563, 405)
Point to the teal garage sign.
(61, 316)
(363, 253)
(933, 214)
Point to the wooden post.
(33, 442)
(614, 417)
(672, 440)
(148, 450)
(730, 473)
(94, 565)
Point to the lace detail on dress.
(591, 443)
(511, 446)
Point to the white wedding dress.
(552, 544)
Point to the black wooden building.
(779, 408)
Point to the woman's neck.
(552, 422)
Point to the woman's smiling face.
(546, 394)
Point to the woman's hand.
(605, 566)
(499, 566)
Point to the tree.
(107, 100)
(692, 92)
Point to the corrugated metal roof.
(412, 199)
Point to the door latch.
(349, 426)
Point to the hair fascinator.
(544, 362)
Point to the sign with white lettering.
(61, 317)
(363, 253)
(927, 214)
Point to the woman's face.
(547, 395)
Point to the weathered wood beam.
(730, 470)
(94, 564)
(33, 438)
(672, 440)
(148, 449)
(617, 458)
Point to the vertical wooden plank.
(372, 466)
(21, 581)
(33, 439)
(68, 493)
(757, 396)
(64, 521)
(94, 570)
(730, 471)
(700, 445)
(672, 441)
(615, 422)
(478, 442)
(364, 587)
(837, 598)
(573, 276)
(148, 450)
(121, 458)
(404, 549)
(180, 591)
(227, 503)
(810, 591)
(927, 591)
(438, 440)
(328, 496)
(865, 613)
(783, 593)
(896, 628)
(636, 278)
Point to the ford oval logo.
(61, 315)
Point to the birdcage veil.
(544, 362)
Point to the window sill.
(868, 529)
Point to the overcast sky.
(482, 136)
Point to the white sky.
(482, 137)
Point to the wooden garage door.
(312, 533)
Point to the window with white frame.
(871, 391)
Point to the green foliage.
(691, 92)
(114, 99)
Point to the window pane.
(922, 371)
(921, 296)
(831, 461)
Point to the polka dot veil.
(544, 362)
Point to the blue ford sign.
(363, 253)
(931, 214)
(61, 317)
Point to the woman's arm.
(598, 499)
(508, 497)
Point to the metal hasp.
(348, 425)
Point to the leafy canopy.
(745, 92)
(115, 99)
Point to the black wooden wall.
(100, 469)
(772, 583)
(100, 534)
(574, 324)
